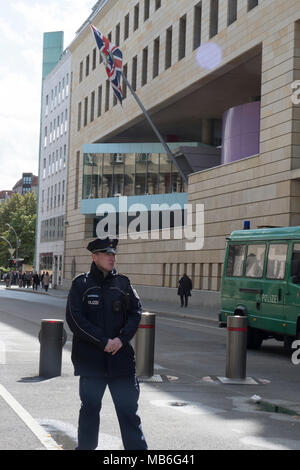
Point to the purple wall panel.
(241, 132)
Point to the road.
(185, 406)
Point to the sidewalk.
(192, 312)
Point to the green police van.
(261, 279)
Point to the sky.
(22, 24)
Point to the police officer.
(103, 312)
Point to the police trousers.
(125, 394)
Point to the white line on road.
(30, 422)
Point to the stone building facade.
(218, 73)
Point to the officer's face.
(104, 261)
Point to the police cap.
(106, 245)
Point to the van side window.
(235, 262)
(295, 266)
(276, 261)
(255, 260)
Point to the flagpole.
(159, 136)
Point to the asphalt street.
(184, 406)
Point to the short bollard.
(52, 339)
(144, 345)
(236, 354)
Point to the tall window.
(252, 4)
(99, 100)
(213, 18)
(134, 73)
(92, 106)
(79, 117)
(126, 26)
(156, 57)
(136, 17)
(125, 71)
(117, 41)
(145, 66)
(182, 37)
(85, 111)
(107, 95)
(197, 25)
(168, 57)
(146, 9)
(232, 12)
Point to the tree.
(19, 212)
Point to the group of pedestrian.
(28, 279)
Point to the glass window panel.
(153, 173)
(235, 262)
(276, 261)
(107, 176)
(164, 174)
(118, 172)
(129, 179)
(141, 173)
(255, 260)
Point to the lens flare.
(209, 56)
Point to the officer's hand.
(117, 344)
(109, 346)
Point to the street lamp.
(17, 240)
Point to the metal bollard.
(144, 345)
(236, 355)
(52, 337)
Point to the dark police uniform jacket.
(99, 309)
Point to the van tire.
(254, 338)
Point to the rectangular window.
(79, 117)
(117, 41)
(99, 100)
(126, 27)
(168, 57)
(76, 180)
(232, 12)
(125, 71)
(213, 18)
(80, 71)
(235, 261)
(87, 65)
(156, 57)
(107, 95)
(145, 66)
(94, 58)
(146, 9)
(136, 17)
(255, 260)
(197, 25)
(182, 38)
(157, 4)
(85, 118)
(134, 73)
(92, 106)
(276, 261)
(252, 4)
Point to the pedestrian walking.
(103, 312)
(35, 281)
(46, 281)
(185, 287)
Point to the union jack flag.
(113, 60)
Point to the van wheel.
(254, 338)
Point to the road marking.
(30, 422)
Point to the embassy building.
(217, 79)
